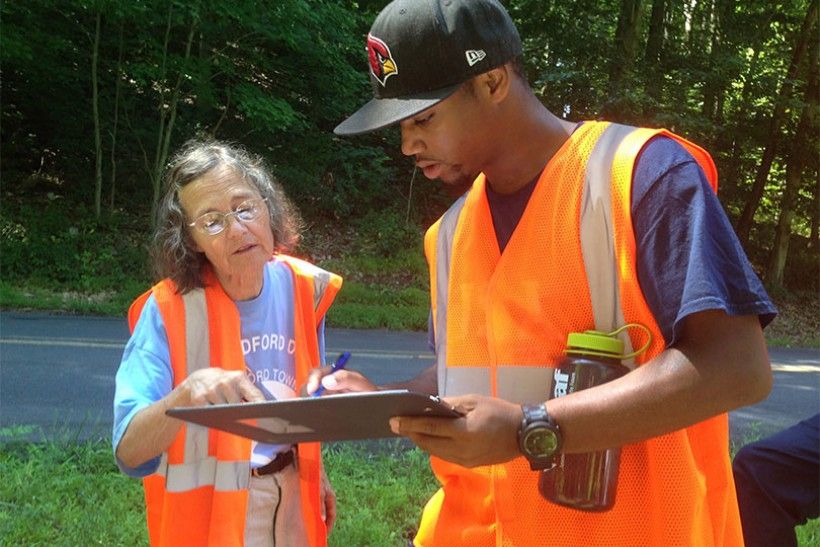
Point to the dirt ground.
(798, 321)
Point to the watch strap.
(535, 413)
(537, 416)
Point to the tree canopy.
(97, 93)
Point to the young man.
(568, 227)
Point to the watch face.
(540, 442)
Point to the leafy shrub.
(384, 232)
(50, 240)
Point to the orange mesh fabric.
(516, 309)
(708, 441)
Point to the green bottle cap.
(595, 343)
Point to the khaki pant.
(274, 516)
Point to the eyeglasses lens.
(247, 211)
(214, 223)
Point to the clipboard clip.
(437, 399)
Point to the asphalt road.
(57, 375)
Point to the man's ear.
(495, 83)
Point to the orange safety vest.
(198, 495)
(501, 323)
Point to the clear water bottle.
(586, 481)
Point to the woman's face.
(243, 247)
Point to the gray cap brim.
(380, 113)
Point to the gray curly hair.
(173, 252)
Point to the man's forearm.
(426, 382)
(721, 364)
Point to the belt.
(281, 461)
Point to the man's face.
(447, 139)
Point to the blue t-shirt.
(268, 345)
(688, 256)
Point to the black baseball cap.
(421, 51)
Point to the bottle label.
(561, 381)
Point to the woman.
(233, 319)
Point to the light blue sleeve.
(145, 376)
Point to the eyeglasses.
(214, 223)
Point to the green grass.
(37, 297)
(378, 292)
(381, 291)
(381, 491)
(808, 535)
(370, 307)
(93, 270)
(67, 493)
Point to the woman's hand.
(151, 432)
(214, 385)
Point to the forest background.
(97, 94)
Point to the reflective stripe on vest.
(531, 384)
(597, 239)
(223, 475)
(444, 248)
(518, 384)
(320, 282)
(198, 468)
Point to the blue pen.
(338, 365)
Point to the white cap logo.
(474, 56)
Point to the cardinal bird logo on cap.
(381, 61)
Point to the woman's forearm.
(151, 432)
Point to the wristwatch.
(539, 438)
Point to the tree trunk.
(167, 117)
(814, 238)
(623, 57)
(154, 172)
(654, 49)
(699, 17)
(117, 87)
(717, 81)
(224, 114)
(804, 37)
(798, 158)
(165, 139)
(96, 114)
(736, 131)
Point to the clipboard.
(340, 417)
